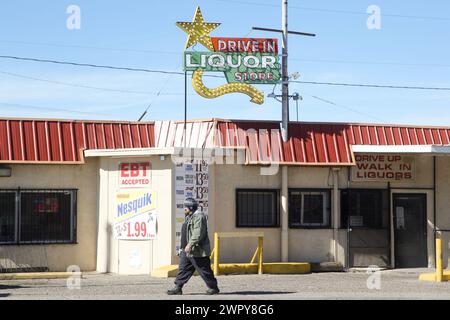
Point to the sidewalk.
(390, 284)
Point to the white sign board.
(191, 181)
(383, 167)
(135, 215)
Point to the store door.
(365, 213)
(410, 230)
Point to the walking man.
(195, 250)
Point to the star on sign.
(198, 30)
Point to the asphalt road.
(390, 284)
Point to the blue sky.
(142, 34)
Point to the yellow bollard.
(255, 255)
(260, 247)
(216, 254)
(439, 264)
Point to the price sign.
(135, 215)
(191, 181)
(141, 227)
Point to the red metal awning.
(309, 143)
(62, 141)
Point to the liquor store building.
(107, 196)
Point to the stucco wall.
(59, 256)
(96, 182)
(443, 204)
(314, 245)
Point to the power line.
(87, 47)
(89, 65)
(98, 66)
(346, 108)
(155, 98)
(81, 85)
(335, 11)
(52, 109)
(216, 76)
(372, 85)
(246, 36)
(373, 63)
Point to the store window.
(364, 208)
(7, 216)
(38, 216)
(309, 208)
(257, 208)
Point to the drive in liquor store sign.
(260, 66)
(244, 61)
(383, 167)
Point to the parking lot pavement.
(390, 284)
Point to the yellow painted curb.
(165, 272)
(432, 276)
(39, 275)
(243, 268)
(287, 268)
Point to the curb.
(39, 275)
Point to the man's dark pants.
(187, 267)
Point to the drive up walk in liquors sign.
(135, 216)
(383, 167)
(243, 61)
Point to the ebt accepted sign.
(134, 174)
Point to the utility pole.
(284, 134)
(285, 125)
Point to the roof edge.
(75, 120)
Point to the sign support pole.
(285, 76)
(185, 108)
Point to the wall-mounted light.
(5, 171)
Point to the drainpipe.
(102, 218)
(284, 215)
(336, 213)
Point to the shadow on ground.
(7, 287)
(245, 293)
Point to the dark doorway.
(365, 214)
(410, 230)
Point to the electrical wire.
(335, 11)
(251, 30)
(372, 85)
(87, 47)
(80, 85)
(155, 98)
(344, 107)
(52, 109)
(96, 65)
(217, 76)
(372, 63)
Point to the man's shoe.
(174, 291)
(212, 291)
